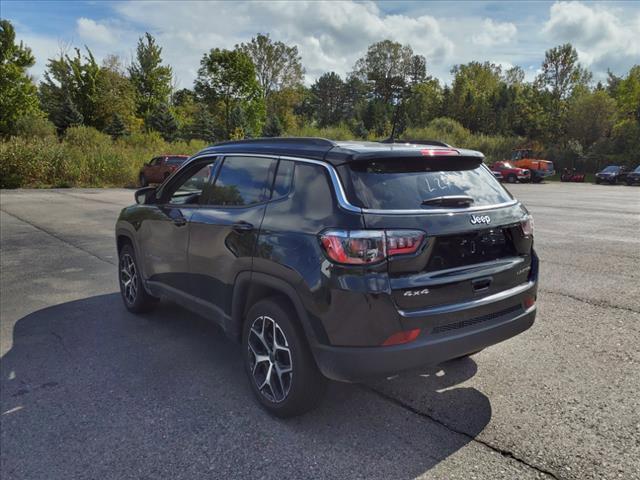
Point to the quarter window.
(282, 185)
(243, 181)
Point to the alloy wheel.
(270, 359)
(128, 278)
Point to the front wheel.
(512, 178)
(282, 372)
(135, 297)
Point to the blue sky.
(333, 35)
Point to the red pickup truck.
(510, 173)
(158, 169)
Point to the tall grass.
(84, 157)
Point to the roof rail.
(435, 143)
(311, 141)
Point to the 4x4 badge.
(476, 219)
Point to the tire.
(143, 180)
(300, 385)
(512, 178)
(134, 296)
(597, 181)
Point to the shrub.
(34, 126)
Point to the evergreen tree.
(273, 127)
(68, 116)
(163, 121)
(116, 127)
(203, 127)
(151, 79)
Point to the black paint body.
(198, 256)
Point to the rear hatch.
(475, 245)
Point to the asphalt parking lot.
(91, 391)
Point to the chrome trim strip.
(343, 202)
(456, 307)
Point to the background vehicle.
(498, 175)
(341, 260)
(633, 177)
(570, 175)
(525, 158)
(158, 169)
(510, 173)
(612, 174)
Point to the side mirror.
(145, 195)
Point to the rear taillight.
(362, 247)
(527, 226)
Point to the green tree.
(228, 77)
(277, 65)
(151, 79)
(116, 128)
(424, 103)
(327, 99)
(561, 75)
(115, 96)
(69, 115)
(272, 127)
(34, 125)
(203, 126)
(18, 94)
(162, 121)
(626, 92)
(473, 95)
(591, 117)
(71, 83)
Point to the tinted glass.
(243, 181)
(407, 184)
(176, 160)
(156, 161)
(190, 190)
(282, 185)
(637, 170)
(611, 169)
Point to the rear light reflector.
(527, 226)
(402, 337)
(362, 247)
(528, 302)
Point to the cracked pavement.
(91, 391)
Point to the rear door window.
(243, 181)
(408, 184)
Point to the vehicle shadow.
(89, 390)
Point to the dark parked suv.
(340, 260)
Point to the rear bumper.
(351, 364)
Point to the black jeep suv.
(341, 260)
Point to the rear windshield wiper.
(449, 201)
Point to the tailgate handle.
(481, 284)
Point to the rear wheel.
(135, 297)
(281, 370)
(512, 178)
(143, 180)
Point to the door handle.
(241, 227)
(180, 222)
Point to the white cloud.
(92, 31)
(604, 38)
(332, 35)
(329, 35)
(495, 33)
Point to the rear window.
(401, 184)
